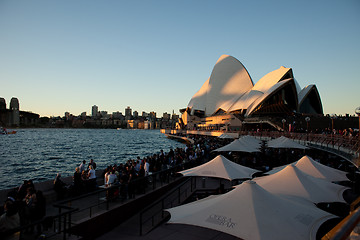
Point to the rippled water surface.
(39, 154)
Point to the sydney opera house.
(229, 98)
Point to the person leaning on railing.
(91, 178)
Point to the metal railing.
(342, 230)
(345, 146)
(335, 141)
(97, 201)
(154, 214)
(61, 223)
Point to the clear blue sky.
(58, 56)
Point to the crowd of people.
(23, 206)
(134, 175)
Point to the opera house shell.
(230, 90)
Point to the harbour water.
(39, 154)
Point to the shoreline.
(38, 154)
(47, 186)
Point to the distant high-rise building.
(135, 114)
(152, 115)
(118, 115)
(166, 116)
(94, 111)
(128, 113)
(144, 114)
(175, 117)
(2, 103)
(67, 115)
(104, 114)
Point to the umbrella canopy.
(315, 169)
(250, 140)
(307, 165)
(291, 181)
(238, 146)
(251, 212)
(284, 142)
(221, 167)
(226, 136)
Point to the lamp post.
(307, 119)
(357, 111)
(283, 122)
(332, 116)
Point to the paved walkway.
(130, 229)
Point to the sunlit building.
(229, 97)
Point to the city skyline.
(94, 110)
(59, 57)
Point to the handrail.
(348, 147)
(32, 224)
(162, 201)
(137, 180)
(156, 181)
(174, 190)
(353, 204)
(343, 229)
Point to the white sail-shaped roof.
(268, 93)
(270, 79)
(231, 89)
(245, 101)
(306, 93)
(229, 80)
(297, 85)
(198, 101)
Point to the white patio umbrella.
(291, 181)
(284, 142)
(251, 212)
(316, 169)
(221, 167)
(238, 146)
(307, 165)
(226, 136)
(250, 139)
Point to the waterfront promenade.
(126, 224)
(78, 210)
